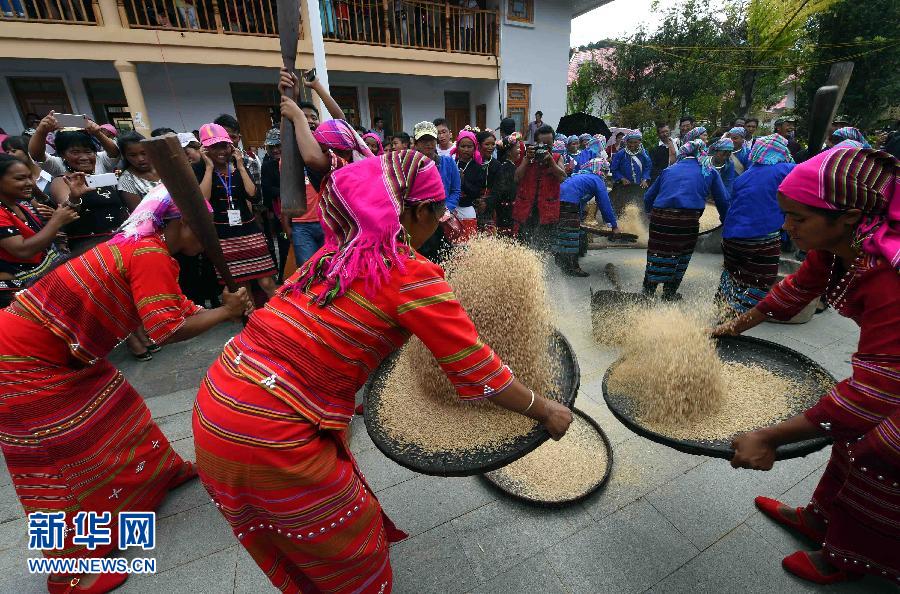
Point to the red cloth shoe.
(770, 507)
(802, 566)
(185, 473)
(106, 582)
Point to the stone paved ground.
(666, 522)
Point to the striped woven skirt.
(673, 236)
(76, 438)
(248, 257)
(568, 231)
(750, 270)
(292, 493)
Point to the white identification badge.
(234, 217)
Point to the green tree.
(866, 32)
(584, 89)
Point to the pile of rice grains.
(679, 385)
(501, 285)
(710, 218)
(558, 471)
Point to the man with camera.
(539, 175)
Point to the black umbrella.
(582, 123)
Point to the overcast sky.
(614, 20)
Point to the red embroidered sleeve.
(429, 309)
(790, 296)
(153, 276)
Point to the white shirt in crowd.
(105, 164)
(445, 152)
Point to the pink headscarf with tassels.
(844, 178)
(360, 210)
(338, 134)
(471, 136)
(150, 216)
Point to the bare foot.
(824, 567)
(814, 521)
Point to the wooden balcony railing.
(231, 17)
(72, 12)
(418, 24)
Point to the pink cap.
(211, 134)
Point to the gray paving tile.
(14, 534)
(532, 576)
(214, 573)
(5, 479)
(173, 403)
(639, 467)
(433, 562)
(502, 534)
(10, 509)
(785, 541)
(711, 499)
(615, 431)
(188, 536)
(177, 426)
(187, 496)
(185, 448)
(359, 437)
(424, 502)
(380, 471)
(627, 552)
(14, 569)
(742, 562)
(249, 578)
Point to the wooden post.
(387, 19)
(447, 24)
(217, 18)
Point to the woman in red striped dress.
(76, 436)
(270, 418)
(844, 207)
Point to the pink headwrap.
(149, 217)
(338, 134)
(360, 209)
(471, 136)
(2, 138)
(110, 128)
(374, 137)
(844, 178)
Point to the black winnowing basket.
(510, 489)
(468, 462)
(740, 349)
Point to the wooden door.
(385, 103)
(481, 116)
(348, 100)
(40, 95)
(457, 118)
(456, 110)
(518, 98)
(255, 121)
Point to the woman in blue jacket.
(630, 169)
(675, 201)
(574, 193)
(751, 237)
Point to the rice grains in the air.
(561, 470)
(682, 389)
(501, 285)
(709, 220)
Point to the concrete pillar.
(134, 96)
(109, 12)
(314, 18)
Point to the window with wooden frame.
(518, 99)
(521, 11)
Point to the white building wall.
(184, 97)
(421, 97)
(538, 54)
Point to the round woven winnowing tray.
(467, 462)
(739, 349)
(511, 488)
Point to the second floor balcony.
(416, 24)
